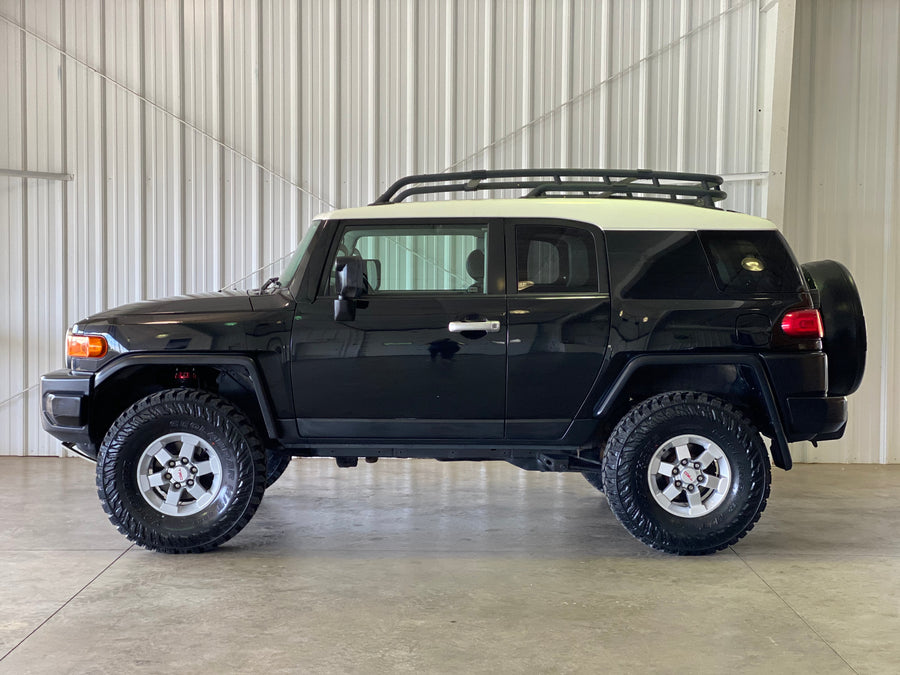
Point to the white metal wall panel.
(13, 313)
(204, 135)
(43, 210)
(123, 184)
(843, 191)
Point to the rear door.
(559, 319)
(425, 355)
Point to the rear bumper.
(64, 408)
(816, 418)
(799, 383)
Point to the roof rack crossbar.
(466, 187)
(679, 193)
(694, 188)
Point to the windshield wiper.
(273, 280)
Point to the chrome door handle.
(463, 326)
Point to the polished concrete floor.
(418, 566)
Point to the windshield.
(299, 258)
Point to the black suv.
(613, 323)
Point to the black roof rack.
(686, 188)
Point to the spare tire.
(845, 325)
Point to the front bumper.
(65, 408)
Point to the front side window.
(419, 258)
(555, 259)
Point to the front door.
(425, 355)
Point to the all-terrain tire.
(276, 463)
(595, 478)
(693, 428)
(209, 444)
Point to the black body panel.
(556, 348)
(394, 381)
(396, 371)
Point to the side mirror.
(350, 282)
(350, 277)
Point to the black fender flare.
(781, 454)
(204, 359)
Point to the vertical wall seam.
(104, 178)
(262, 192)
(643, 117)
(336, 73)
(888, 300)
(26, 305)
(605, 105)
(490, 33)
(64, 122)
(143, 168)
(721, 88)
(220, 75)
(754, 96)
(566, 112)
(450, 101)
(182, 257)
(528, 75)
(412, 60)
(681, 140)
(373, 95)
(65, 282)
(298, 148)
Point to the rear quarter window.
(650, 264)
(751, 262)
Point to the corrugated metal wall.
(204, 134)
(843, 191)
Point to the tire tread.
(620, 488)
(188, 402)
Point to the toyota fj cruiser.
(613, 323)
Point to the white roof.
(608, 214)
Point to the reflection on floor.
(419, 566)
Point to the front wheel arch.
(129, 378)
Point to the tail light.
(86, 346)
(803, 323)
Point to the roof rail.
(687, 188)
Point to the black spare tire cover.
(845, 325)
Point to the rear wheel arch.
(738, 380)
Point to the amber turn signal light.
(86, 346)
(803, 323)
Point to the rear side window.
(555, 259)
(751, 262)
(650, 264)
